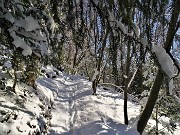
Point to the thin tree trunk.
(157, 120)
(15, 63)
(126, 84)
(95, 81)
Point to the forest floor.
(64, 105)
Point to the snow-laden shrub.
(26, 33)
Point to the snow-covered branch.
(119, 87)
(166, 64)
(132, 78)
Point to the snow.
(111, 19)
(111, 16)
(96, 72)
(132, 78)
(44, 48)
(20, 7)
(19, 42)
(86, 114)
(176, 98)
(74, 110)
(166, 63)
(144, 42)
(20, 23)
(51, 23)
(29, 23)
(178, 62)
(28, 28)
(121, 26)
(4, 75)
(32, 36)
(137, 30)
(64, 105)
(130, 34)
(21, 113)
(171, 86)
(143, 101)
(59, 37)
(9, 17)
(7, 64)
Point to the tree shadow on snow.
(17, 108)
(100, 127)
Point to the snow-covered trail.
(77, 112)
(66, 93)
(64, 105)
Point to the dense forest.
(132, 47)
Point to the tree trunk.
(96, 80)
(15, 64)
(128, 62)
(94, 85)
(159, 77)
(150, 103)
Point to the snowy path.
(77, 112)
(72, 109)
(74, 112)
(66, 110)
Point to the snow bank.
(26, 112)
